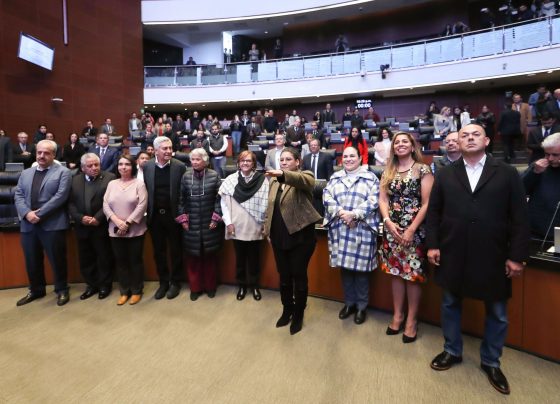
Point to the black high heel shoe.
(407, 340)
(391, 331)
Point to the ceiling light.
(266, 32)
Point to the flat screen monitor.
(35, 51)
(365, 135)
(347, 124)
(14, 167)
(254, 147)
(134, 150)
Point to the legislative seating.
(8, 214)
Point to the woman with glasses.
(244, 197)
(200, 215)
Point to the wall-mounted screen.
(35, 51)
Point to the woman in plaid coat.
(351, 204)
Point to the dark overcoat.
(199, 200)
(476, 232)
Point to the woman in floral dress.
(403, 202)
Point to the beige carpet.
(224, 351)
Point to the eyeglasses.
(246, 161)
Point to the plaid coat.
(352, 248)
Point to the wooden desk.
(533, 310)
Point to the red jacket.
(362, 148)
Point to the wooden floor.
(224, 351)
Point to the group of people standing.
(476, 226)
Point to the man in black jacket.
(510, 129)
(90, 225)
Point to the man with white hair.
(542, 185)
(40, 199)
(162, 176)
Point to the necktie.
(101, 154)
(314, 164)
(546, 132)
(23, 147)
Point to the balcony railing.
(500, 40)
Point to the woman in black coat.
(200, 215)
(73, 152)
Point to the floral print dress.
(405, 201)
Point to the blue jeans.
(495, 328)
(219, 165)
(356, 288)
(236, 137)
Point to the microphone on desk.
(550, 227)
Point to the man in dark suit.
(478, 239)
(356, 120)
(109, 156)
(40, 199)
(538, 134)
(295, 135)
(90, 225)
(89, 130)
(318, 134)
(23, 151)
(327, 115)
(553, 105)
(321, 165)
(253, 130)
(5, 151)
(175, 141)
(179, 126)
(510, 129)
(162, 176)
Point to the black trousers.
(130, 264)
(167, 233)
(96, 257)
(248, 259)
(509, 149)
(54, 245)
(292, 268)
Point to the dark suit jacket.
(177, 169)
(77, 203)
(73, 155)
(104, 129)
(175, 141)
(293, 135)
(552, 108)
(320, 135)
(26, 160)
(476, 232)
(357, 121)
(510, 123)
(179, 126)
(534, 140)
(327, 116)
(110, 160)
(87, 131)
(324, 166)
(5, 152)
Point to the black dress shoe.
(346, 312)
(211, 294)
(360, 317)
(88, 293)
(29, 298)
(173, 291)
(496, 378)
(195, 295)
(161, 291)
(241, 293)
(62, 298)
(444, 361)
(257, 294)
(104, 292)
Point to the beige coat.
(526, 116)
(296, 207)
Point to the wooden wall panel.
(104, 53)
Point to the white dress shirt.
(474, 172)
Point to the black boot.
(287, 297)
(299, 308)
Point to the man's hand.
(513, 268)
(32, 217)
(540, 166)
(434, 256)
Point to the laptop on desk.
(254, 147)
(336, 137)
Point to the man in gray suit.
(272, 161)
(134, 125)
(162, 176)
(40, 199)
